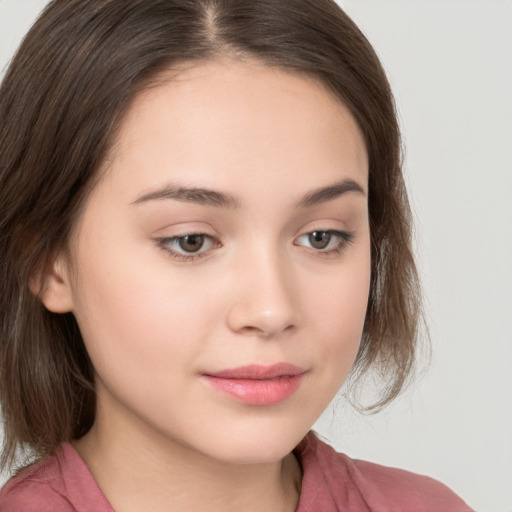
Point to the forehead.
(216, 121)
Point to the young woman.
(204, 232)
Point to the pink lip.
(256, 384)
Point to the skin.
(258, 293)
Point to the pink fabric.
(56, 484)
(332, 482)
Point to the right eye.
(187, 247)
(191, 243)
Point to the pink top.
(331, 482)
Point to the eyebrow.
(325, 194)
(207, 197)
(201, 196)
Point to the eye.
(191, 243)
(320, 239)
(187, 247)
(325, 241)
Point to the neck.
(140, 472)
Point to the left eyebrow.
(325, 194)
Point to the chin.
(256, 446)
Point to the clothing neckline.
(81, 481)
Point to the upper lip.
(259, 372)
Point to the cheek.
(339, 306)
(132, 310)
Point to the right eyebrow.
(201, 196)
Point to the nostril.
(256, 331)
(261, 332)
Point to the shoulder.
(381, 488)
(37, 488)
(60, 483)
(400, 487)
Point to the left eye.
(325, 240)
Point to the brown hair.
(60, 103)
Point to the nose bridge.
(264, 302)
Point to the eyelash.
(164, 244)
(345, 238)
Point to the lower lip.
(257, 392)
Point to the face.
(222, 262)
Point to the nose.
(264, 300)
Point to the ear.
(53, 286)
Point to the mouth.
(256, 384)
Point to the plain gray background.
(450, 63)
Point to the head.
(77, 90)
